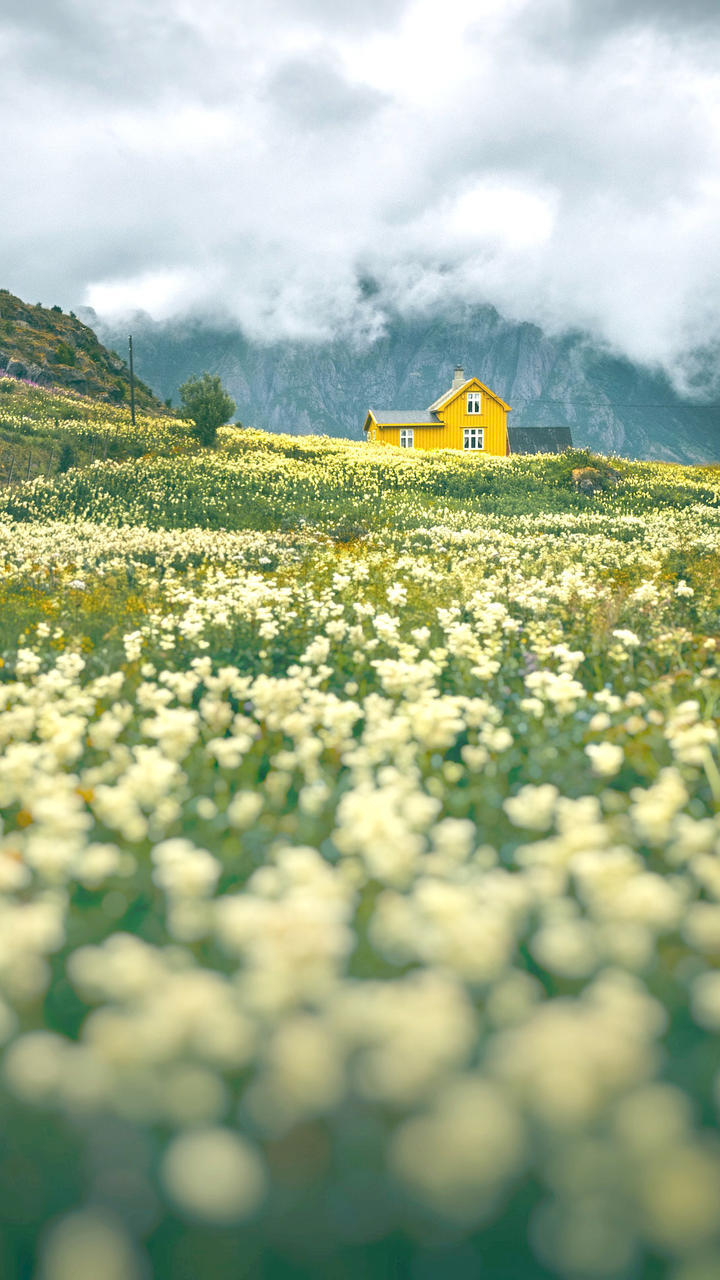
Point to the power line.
(614, 404)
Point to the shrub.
(347, 531)
(64, 353)
(206, 402)
(67, 458)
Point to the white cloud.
(502, 215)
(162, 294)
(557, 159)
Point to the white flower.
(627, 638)
(566, 947)
(533, 806)
(214, 1174)
(184, 871)
(605, 757)
(88, 1243)
(133, 645)
(705, 1000)
(244, 809)
(460, 1155)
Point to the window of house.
(407, 438)
(474, 438)
(473, 403)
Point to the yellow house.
(469, 416)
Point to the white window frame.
(407, 438)
(474, 402)
(473, 438)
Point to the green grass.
(37, 424)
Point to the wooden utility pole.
(132, 383)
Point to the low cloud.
(557, 159)
(310, 93)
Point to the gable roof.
(539, 439)
(468, 385)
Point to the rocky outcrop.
(47, 347)
(591, 479)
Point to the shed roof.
(539, 439)
(405, 418)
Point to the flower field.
(360, 869)
(37, 424)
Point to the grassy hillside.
(360, 876)
(43, 431)
(45, 346)
(255, 479)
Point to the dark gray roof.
(539, 439)
(405, 417)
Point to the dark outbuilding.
(539, 439)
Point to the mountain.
(45, 346)
(611, 405)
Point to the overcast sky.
(267, 159)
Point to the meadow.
(44, 431)
(360, 868)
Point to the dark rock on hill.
(45, 346)
(610, 404)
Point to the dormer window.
(473, 402)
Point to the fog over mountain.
(299, 386)
(256, 163)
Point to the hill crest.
(51, 348)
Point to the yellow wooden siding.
(425, 437)
(493, 419)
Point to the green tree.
(206, 402)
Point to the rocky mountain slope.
(610, 404)
(45, 346)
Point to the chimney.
(458, 377)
